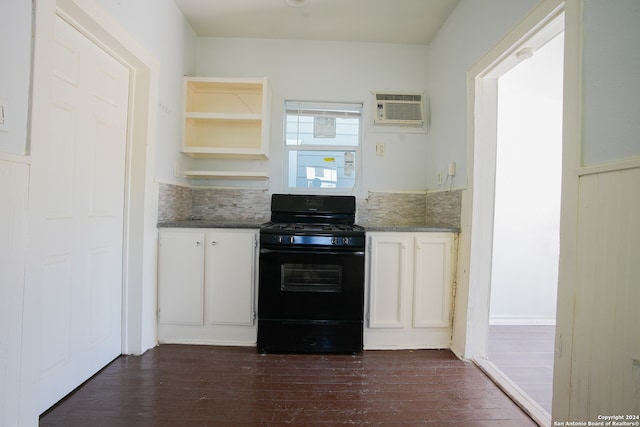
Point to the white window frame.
(354, 108)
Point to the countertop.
(419, 228)
(205, 223)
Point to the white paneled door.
(82, 184)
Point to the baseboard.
(511, 389)
(522, 321)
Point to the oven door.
(311, 284)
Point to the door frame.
(476, 240)
(141, 190)
(541, 25)
(470, 336)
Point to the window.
(322, 145)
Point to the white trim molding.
(619, 165)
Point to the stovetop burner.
(317, 235)
(311, 228)
(314, 221)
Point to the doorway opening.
(524, 265)
(538, 29)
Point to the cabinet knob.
(197, 243)
(213, 243)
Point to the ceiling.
(377, 21)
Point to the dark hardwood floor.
(525, 354)
(180, 385)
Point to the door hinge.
(558, 349)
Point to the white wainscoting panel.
(14, 179)
(606, 341)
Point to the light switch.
(380, 149)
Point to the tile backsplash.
(392, 209)
(437, 209)
(177, 203)
(241, 205)
(444, 208)
(174, 203)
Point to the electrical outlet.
(380, 149)
(4, 121)
(452, 169)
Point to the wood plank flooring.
(180, 385)
(525, 354)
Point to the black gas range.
(311, 284)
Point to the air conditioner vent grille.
(401, 111)
(398, 97)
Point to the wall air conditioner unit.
(399, 109)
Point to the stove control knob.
(280, 239)
(345, 241)
(334, 241)
(292, 239)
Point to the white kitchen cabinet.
(229, 277)
(409, 292)
(226, 118)
(432, 303)
(181, 278)
(206, 286)
(390, 277)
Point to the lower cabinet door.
(390, 280)
(432, 287)
(230, 276)
(181, 277)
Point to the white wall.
(15, 73)
(329, 71)
(611, 81)
(160, 27)
(471, 30)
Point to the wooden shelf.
(224, 116)
(226, 175)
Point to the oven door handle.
(299, 251)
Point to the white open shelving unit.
(226, 118)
